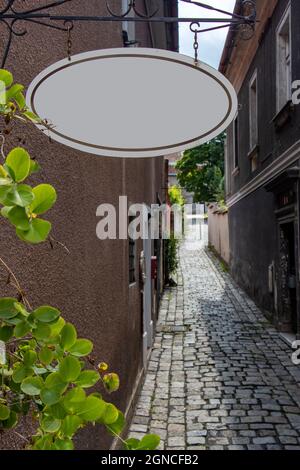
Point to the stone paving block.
(220, 376)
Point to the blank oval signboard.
(132, 102)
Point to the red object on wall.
(154, 267)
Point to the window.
(253, 111)
(235, 143)
(284, 69)
(132, 256)
(128, 27)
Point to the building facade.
(97, 284)
(263, 162)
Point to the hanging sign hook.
(195, 28)
(69, 27)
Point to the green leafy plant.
(22, 204)
(171, 245)
(12, 100)
(175, 195)
(45, 369)
(201, 171)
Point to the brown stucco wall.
(89, 285)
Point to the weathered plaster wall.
(90, 285)
(218, 232)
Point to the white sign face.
(132, 102)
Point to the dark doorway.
(288, 282)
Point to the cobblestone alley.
(220, 376)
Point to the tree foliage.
(201, 171)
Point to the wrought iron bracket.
(45, 15)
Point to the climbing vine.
(45, 369)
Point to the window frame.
(286, 19)
(253, 126)
(235, 144)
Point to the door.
(147, 298)
(288, 278)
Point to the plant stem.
(2, 145)
(16, 284)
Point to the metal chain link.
(196, 47)
(69, 44)
(70, 26)
(195, 28)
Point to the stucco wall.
(218, 233)
(90, 285)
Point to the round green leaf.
(82, 347)
(21, 329)
(73, 399)
(68, 336)
(44, 198)
(18, 217)
(7, 308)
(69, 369)
(46, 355)
(91, 409)
(118, 426)
(14, 321)
(46, 314)
(55, 382)
(110, 415)
(44, 443)
(5, 211)
(6, 332)
(87, 378)
(42, 332)
(6, 77)
(149, 442)
(4, 191)
(37, 233)
(132, 443)
(50, 424)
(4, 412)
(18, 160)
(20, 100)
(57, 326)
(32, 386)
(50, 396)
(30, 358)
(57, 411)
(14, 91)
(70, 425)
(11, 422)
(112, 382)
(20, 373)
(63, 444)
(20, 195)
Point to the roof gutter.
(230, 41)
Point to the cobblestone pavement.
(220, 376)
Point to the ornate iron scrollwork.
(44, 15)
(132, 9)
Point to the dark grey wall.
(252, 233)
(271, 144)
(253, 228)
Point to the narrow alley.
(220, 376)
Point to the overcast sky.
(211, 43)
